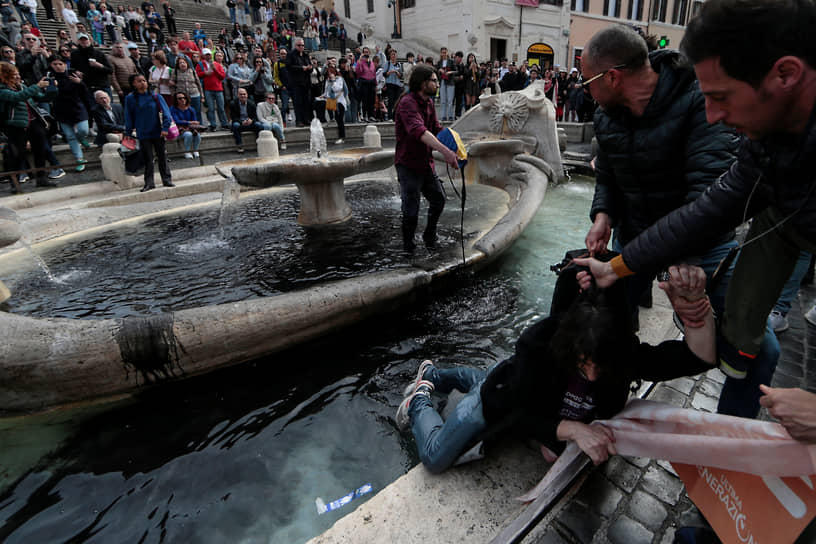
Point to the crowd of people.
(259, 63)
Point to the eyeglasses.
(270, 98)
(31, 39)
(179, 98)
(602, 74)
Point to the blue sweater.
(183, 117)
(142, 114)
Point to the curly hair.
(7, 73)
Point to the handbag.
(48, 122)
(173, 131)
(331, 104)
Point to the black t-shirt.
(578, 403)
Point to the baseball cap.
(206, 52)
(82, 35)
(132, 45)
(573, 70)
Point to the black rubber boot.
(409, 225)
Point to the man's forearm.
(431, 141)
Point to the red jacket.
(213, 81)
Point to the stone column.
(371, 137)
(267, 145)
(113, 165)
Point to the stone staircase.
(188, 12)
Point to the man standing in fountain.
(415, 126)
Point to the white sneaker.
(426, 365)
(810, 316)
(340, 141)
(403, 419)
(778, 322)
(195, 154)
(22, 178)
(188, 155)
(283, 146)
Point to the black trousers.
(368, 89)
(15, 153)
(302, 99)
(147, 148)
(339, 116)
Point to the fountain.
(48, 362)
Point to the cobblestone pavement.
(635, 500)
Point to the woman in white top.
(71, 20)
(160, 75)
(336, 88)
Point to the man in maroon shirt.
(415, 126)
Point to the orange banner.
(747, 509)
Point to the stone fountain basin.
(46, 363)
(302, 168)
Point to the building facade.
(661, 18)
(491, 29)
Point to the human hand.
(602, 272)
(794, 408)
(43, 83)
(600, 232)
(164, 134)
(685, 281)
(75, 78)
(451, 158)
(597, 441)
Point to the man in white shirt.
(269, 116)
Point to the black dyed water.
(240, 455)
(185, 261)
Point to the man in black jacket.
(94, 66)
(656, 153)
(244, 117)
(772, 100)
(298, 67)
(109, 118)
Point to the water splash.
(229, 198)
(40, 262)
(317, 139)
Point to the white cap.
(206, 52)
(573, 70)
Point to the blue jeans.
(238, 128)
(351, 112)
(739, 397)
(441, 443)
(276, 128)
(284, 103)
(191, 140)
(216, 99)
(74, 133)
(195, 102)
(783, 305)
(233, 20)
(446, 93)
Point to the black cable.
(462, 198)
